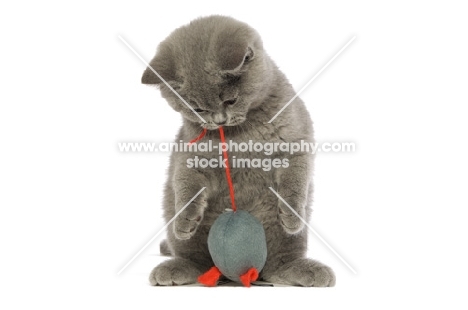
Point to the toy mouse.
(236, 241)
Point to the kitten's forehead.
(213, 44)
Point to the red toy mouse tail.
(211, 277)
(248, 277)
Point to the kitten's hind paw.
(304, 272)
(176, 271)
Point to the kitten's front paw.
(291, 223)
(177, 271)
(185, 225)
(304, 272)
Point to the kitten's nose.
(219, 119)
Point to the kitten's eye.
(198, 110)
(247, 58)
(230, 102)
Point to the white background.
(74, 210)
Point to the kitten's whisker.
(244, 133)
(240, 131)
(255, 128)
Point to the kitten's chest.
(251, 184)
(251, 161)
(253, 167)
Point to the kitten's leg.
(303, 272)
(293, 186)
(176, 271)
(164, 248)
(187, 183)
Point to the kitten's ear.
(163, 64)
(233, 51)
(249, 55)
(231, 56)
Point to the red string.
(199, 136)
(225, 155)
(228, 171)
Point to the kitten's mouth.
(212, 126)
(231, 122)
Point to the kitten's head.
(217, 64)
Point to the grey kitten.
(218, 65)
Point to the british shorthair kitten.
(218, 65)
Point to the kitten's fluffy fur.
(218, 65)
